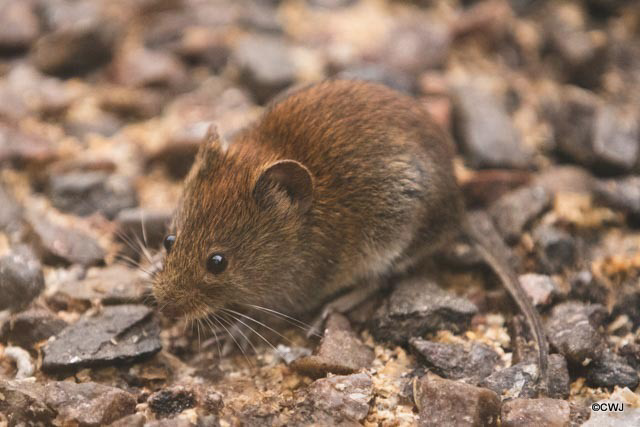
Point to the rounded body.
(367, 189)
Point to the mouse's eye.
(168, 242)
(216, 263)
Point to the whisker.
(291, 320)
(255, 332)
(215, 334)
(239, 330)
(258, 322)
(219, 320)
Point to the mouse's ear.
(212, 143)
(290, 176)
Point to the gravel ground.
(103, 104)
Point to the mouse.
(337, 186)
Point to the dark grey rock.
(265, 66)
(556, 248)
(345, 397)
(620, 194)
(611, 370)
(83, 193)
(31, 327)
(80, 38)
(172, 401)
(88, 404)
(445, 402)
(631, 353)
(119, 334)
(65, 245)
(486, 131)
(603, 137)
(535, 412)
(19, 25)
(21, 279)
(515, 210)
(573, 330)
(588, 288)
(519, 380)
(340, 351)
(418, 306)
(542, 289)
(23, 403)
(453, 361)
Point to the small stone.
(127, 102)
(80, 38)
(515, 210)
(616, 137)
(171, 401)
(265, 66)
(112, 285)
(582, 54)
(149, 227)
(621, 194)
(486, 186)
(21, 279)
(179, 152)
(345, 397)
(119, 334)
(205, 46)
(445, 402)
(611, 370)
(23, 403)
(340, 351)
(30, 327)
(140, 67)
(573, 330)
(83, 193)
(486, 132)
(453, 361)
(19, 25)
(556, 248)
(631, 353)
(519, 380)
(539, 287)
(33, 93)
(291, 354)
(23, 149)
(88, 404)
(66, 245)
(418, 306)
(588, 288)
(134, 420)
(416, 45)
(11, 213)
(535, 412)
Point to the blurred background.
(103, 104)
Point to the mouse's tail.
(494, 251)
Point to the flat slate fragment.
(119, 334)
(419, 306)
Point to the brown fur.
(382, 193)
